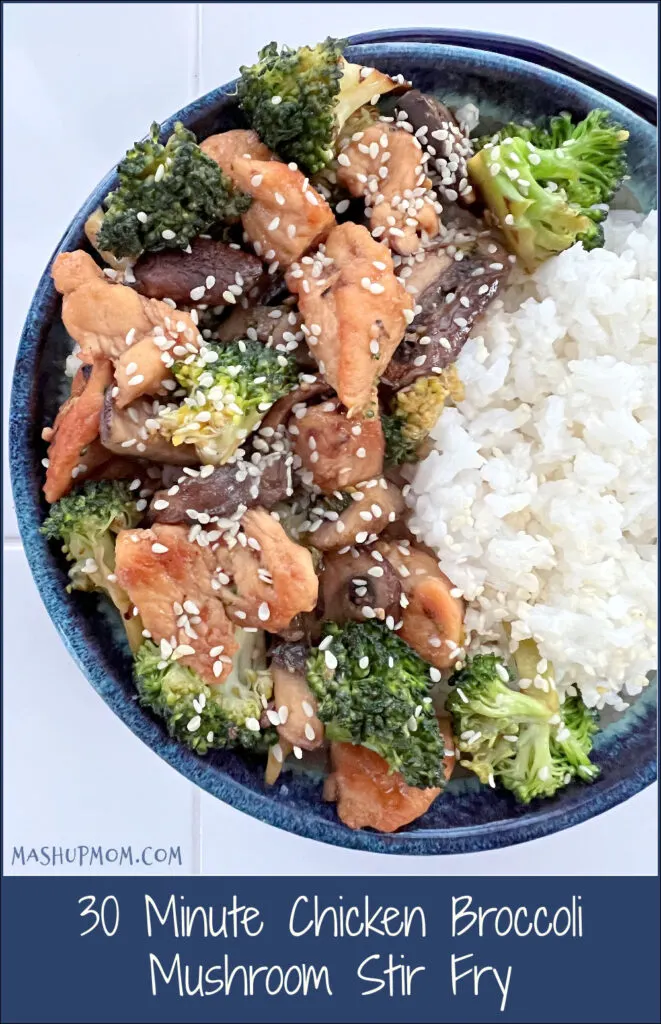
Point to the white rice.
(541, 494)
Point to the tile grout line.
(196, 56)
(197, 831)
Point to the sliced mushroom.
(444, 140)
(372, 508)
(280, 412)
(336, 451)
(125, 432)
(433, 618)
(354, 586)
(220, 270)
(220, 492)
(295, 703)
(450, 306)
(269, 323)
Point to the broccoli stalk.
(227, 397)
(545, 189)
(205, 717)
(85, 522)
(298, 100)
(526, 741)
(373, 690)
(167, 195)
(416, 410)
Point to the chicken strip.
(169, 580)
(355, 311)
(337, 452)
(368, 794)
(287, 215)
(271, 579)
(385, 165)
(433, 620)
(108, 319)
(75, 429)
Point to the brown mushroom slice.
(221, 491)
(127, 432)
(212, 272)
(368, 794)
(445, 142)
(338, 452)
(378, 506)
(279, 413)
(295, 703)
(272, 324)
(433, 617)
(450, 306)
(355, 587)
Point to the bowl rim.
(457, 839)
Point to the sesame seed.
(309, 731)
(330, 659)
(138, 379)
(264, 612)
(274, 224)
(376, 288)
(298, 753)
(159, 549)
(252, 724)
(168, 235)
(229, 297)
(344, 160)
(256, 180)
(361, 453)
(161, 504)
(275, 100)
(197, 293)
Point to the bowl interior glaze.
(469, 817)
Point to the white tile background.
(74, 773)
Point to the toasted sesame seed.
(168, 235)
(197, 293)
(159, 549)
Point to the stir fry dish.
(265, 331)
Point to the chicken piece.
(107, 319)
(368, 794)
(272, 579)
(385, 166)
(161, 571)
(355, 311)
(338, 452)
(432, 623)
(76, 427)
(378, 506)
(294, 701)
(287, 215)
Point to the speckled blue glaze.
(468, 818)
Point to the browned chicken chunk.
(114, 321)
(384, 164)
(76, 427)
(168, 578)
(338, 452)
(433, 620)
(287, 215)
(374, 505)
(271, 579)
(355, 311)
(368, 794)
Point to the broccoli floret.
(546, 188)
(86, 522)
(416, 410)
(167, 195)
(235, 384)
(373, 690)
(205, 717)
(526, 741)
(399, 447)
(298, 100)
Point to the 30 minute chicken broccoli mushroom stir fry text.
(265, 327)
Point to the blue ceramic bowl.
(469, 817)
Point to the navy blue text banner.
(323, 949)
